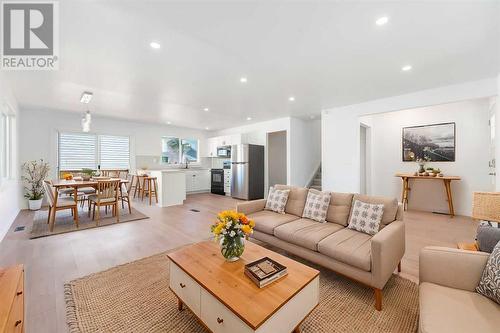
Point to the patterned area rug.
(135, 297)
(65, 223)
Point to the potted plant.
(87, 174)
(34, 173)
(230, 231)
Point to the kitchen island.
(173, 184)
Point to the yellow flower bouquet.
(230, 230)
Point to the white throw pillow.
(316, 205)
(276, 200)
(366, 217)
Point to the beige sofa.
(370, 260)
(448, 301)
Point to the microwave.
(224, 151)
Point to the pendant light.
(87, 118)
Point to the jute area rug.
(135, 297)
(64, 221)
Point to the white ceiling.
(325, 54)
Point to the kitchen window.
(176, 150)
(86, 151)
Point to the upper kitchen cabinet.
(226, 140)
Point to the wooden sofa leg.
(378, 299)
(399, 267)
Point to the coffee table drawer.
(185, 288)
(218, 318)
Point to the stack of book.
(265, 271)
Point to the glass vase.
(232, 248)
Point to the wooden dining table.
(59, 184)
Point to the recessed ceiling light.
(249, 118)
(406, 68)
(86, 97)
(207, 128)
(155, 45)
(382, 20)
(291, 99)
(169, 122)
(243, 79)
(206, 109)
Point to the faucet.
(187, 164)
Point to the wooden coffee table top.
(227, 282)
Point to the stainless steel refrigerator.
(247, 170)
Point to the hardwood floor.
(52, 261)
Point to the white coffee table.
(226, 301)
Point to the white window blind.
(114, 152)
(77, 151)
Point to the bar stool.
(137, 186)
(149, 187)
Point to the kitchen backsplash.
(153, 163)
(218, 163)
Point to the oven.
(217, 181)
(224, 151)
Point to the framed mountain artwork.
(434, 143)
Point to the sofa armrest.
(387, 250)
(400, 213)
(250, 207)
(454, 268)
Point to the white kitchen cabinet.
(197, 180)
(213, 144)
(225, 140)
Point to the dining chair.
(56, 203)
(125, 190)
(123, 174)
(106, 195)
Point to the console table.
(447, 185)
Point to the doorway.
(276, 158)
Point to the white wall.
(497, 137)
(340, 127)
(38, 134)
(472, 154)
(9, 188)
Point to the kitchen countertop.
(178, 170)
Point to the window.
(87, 151)
(189, 150)
(170, 150)
(176, 150)
(114, 152)
(3, 146)
(7, 128)
(77, 151)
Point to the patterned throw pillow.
(276, 200)
(316, 205)
(489, 285)
(366, 217)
